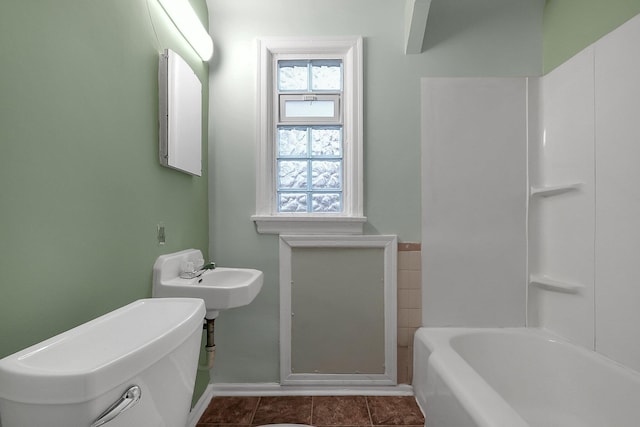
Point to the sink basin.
(221, 288)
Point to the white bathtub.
(519, 377)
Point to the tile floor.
(314, 410)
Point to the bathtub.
(519, 377)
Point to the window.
(309, 136)
(309, 163)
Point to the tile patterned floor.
(321, 411)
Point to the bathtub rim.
(485, 406)
(449, 365)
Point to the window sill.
(308, 224)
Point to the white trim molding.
(306, 224)
(275, 389)
(200, 406)
(267, 217)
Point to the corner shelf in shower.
(555, 285)
(546, 191)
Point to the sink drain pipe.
(210, 346)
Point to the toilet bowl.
(135, 366)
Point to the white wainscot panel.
(618, 192)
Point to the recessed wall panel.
(338, 310)
(337, 304)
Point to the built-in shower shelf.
(547, 191)
(555, 285)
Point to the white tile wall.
(409, 307)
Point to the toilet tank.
(150, 347)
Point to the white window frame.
(267, 218)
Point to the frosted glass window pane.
(292, 174)
(309, 153)
(293, 142)
(326, 175)
(326, 142)
(292, 202)
(309, 108)
(326, 77)
(326, 202)
(293, 76)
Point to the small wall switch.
(161, 234)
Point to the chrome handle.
(128, 399)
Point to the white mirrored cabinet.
(180, 114)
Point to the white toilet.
(135, 366)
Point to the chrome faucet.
(209, 266)
(190, 271)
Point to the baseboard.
(200, 406)
(275, 389)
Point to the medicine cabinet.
(180, 114)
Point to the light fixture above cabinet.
(189, 25)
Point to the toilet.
(135, 366)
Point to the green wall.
(571, 25)
(464, 38)
(81, 188)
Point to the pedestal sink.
(221, 288)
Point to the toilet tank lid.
(88, 360)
